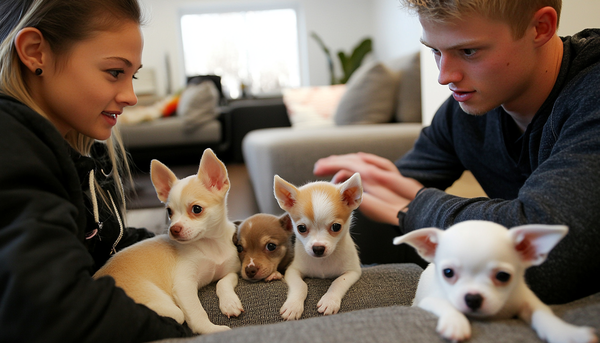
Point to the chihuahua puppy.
(478, 269)
(264, 244)
(165, 272)
(321, 213)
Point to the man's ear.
(31, 48)
(545, 25)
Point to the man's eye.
(435, 51)
(469, 52)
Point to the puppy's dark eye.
(271, 246)
(240, 248)
(503, 277)
(169, 212)
(302, 228)
(196, 209)
(336, 227)
(448, 273)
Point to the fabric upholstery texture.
(376, 309)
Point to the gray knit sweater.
(548, 175)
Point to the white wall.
(340, 23)
(576, 15)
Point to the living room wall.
(340, 23)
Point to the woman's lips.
(111, 117)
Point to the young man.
(524, 118)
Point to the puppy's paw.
(292, 310)
(274, 276)
(329, 304)
(231, 306)
(570, 334)
(212, 328)
(454, 326)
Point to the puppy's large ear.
(351, 191)
(285, 193)
(213, 173)
(162, 179)
(286, 223)
(534, 242)
(425, 241)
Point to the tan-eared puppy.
(321, 213)
(264, 243)
(165, 272)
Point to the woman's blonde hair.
(517, 13)
(63, 23)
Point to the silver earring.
(38, 71)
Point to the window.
(254, 50)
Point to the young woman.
(66, 69)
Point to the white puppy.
(478, 269)
(165, 272)
(321, 213)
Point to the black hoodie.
(47, 293)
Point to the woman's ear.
(31, 48)
(545, 23)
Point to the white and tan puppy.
(321, 213)
(478, 269)
(165, 272)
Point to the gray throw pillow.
(369, 97)
(198, 105)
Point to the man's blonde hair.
(517, 13)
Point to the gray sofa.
(375, 309)
(363, 124)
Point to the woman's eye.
(435, 51)
(271, 246)
(115, 73)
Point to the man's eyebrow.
(458, 46)
(124, 60)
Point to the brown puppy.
(264, 243)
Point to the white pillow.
(312, 106)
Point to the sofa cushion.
(408, 98)
(369, 97)
(198, 104)
(379, 286)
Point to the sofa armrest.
(292, 153)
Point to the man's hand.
(386, 191)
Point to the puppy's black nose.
(318, 250)
(473, 301)
(251, 271)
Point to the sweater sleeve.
(47, 293)
(563, 189)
